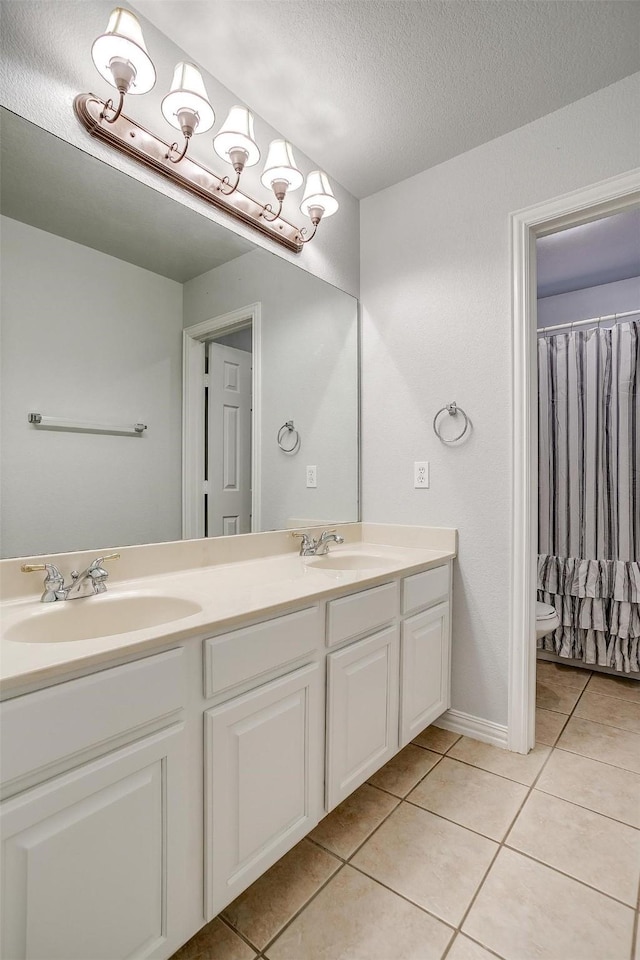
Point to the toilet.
(547, 619)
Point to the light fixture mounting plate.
(135, 141)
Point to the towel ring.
(288, 427)
(453, 410)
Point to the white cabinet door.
(425, 670)
(88, 872)
(263, 766)
(362, 712)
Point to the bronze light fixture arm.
(174, 148)
(109, 106)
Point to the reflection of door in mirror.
(228, 439)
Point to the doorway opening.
(582, 207)
(221, 425)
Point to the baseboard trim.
(476, 727)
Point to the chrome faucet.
(85, 584)
(317, 546)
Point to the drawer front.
(233, 658)
(361, 613)
(43, 728)
(424, 589)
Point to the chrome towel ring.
(453, 410)
(286, 430)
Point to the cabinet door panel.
(362, 712)
(425, 670)
(85, 860)
(262, 763)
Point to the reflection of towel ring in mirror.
(288, 428)
(453, 410)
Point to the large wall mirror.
(122, 309)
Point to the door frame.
(193, 352)
(580, 206)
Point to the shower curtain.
(589, 493)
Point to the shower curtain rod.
(580, 323)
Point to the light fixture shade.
(188, 94)
(123, 41)
(318, 193)
(281, 166)
(236, 133)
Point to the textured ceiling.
(602, 251)
(53, 186)
(378, 90)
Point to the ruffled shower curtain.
(589, 493)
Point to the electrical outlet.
(312, 477)
(420, 474)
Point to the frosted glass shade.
(236, 133)
(318, 193)
(188, 95)
(123, 43)
(281, 166)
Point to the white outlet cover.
(312, 476)
(421, 474)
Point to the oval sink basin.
(100, 616)
(350, 561)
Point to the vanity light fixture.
(318, 200)
(280, 174)
(236, 144)
(186, 107)
(121, 58)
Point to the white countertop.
(226, 593)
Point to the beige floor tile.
(264, 908)
(526, 910)
(472, 797)
(349, 825)
(403, 771)
(432, 862)
(614, 712)
(215, 942)
(354, 918)
(549, 726)
(515, 766)
(465, 949)
(598, 786)
(600, 742)
(561, 675)
(552, 696)
(620, 687)
(601, 852)
(437, 739)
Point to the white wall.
(45, 60)
(87, 336)
(436, 293)
(309, 375)
(599, 301)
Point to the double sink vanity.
(166, 741)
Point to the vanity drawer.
(54, 725)
(234, 658)
(361, 613)
(424, 589)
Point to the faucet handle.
(52, 571)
